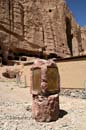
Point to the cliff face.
(83, 36)
(38, 26)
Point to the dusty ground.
(15, 101)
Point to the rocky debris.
(15, 116)
(13, 71)
(10, 73)
(77, 93)
(38, 28)
(84, 94)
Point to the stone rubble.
(17, 114)
(76, 93)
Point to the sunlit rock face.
(83, 35)
(33, 26)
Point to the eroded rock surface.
(83, 35)
(45, 90)
(45, 27)
(46, 109)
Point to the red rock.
(39, 28)
(46, 109)
(45, 105)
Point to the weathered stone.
(45, 109)
(38, 28)
(45, 91)
(83, 36)
(12, 72)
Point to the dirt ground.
(15, 111)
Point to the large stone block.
(45, 91)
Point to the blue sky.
(78, 7)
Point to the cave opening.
(53, 55)
(50, 10)
(69, 34)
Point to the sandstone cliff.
(83, 36)
(38, 27)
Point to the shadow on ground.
(62, 113)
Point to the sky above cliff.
(78, 8)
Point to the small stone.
(12, 88)
(83, 96)
(73, 94)
(28, 108)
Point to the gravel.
(77, 93)
(15, 112)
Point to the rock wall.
(83, 36)
(38, 26)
